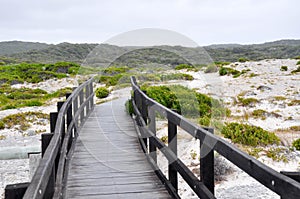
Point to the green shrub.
(184, 66)
(129, 107)
(297, 70)
(102, 92)
(259, 113)
(229, 71)
(249, 135)
(204, 121)
(247, 101)
(283, 68)
(2, 125)
(298, 63)
(296, 144)
(242, 59)
(211, 69)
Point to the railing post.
(144, 113)
(53, 119)
(81, 102)
(75, 108)
(152, 128)
(69, 120)
(91, 92)
(172, 144)
(46, 139)
(207, 164)
(293, 175)
(87, 93)
(16, 191)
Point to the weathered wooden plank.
(108, 161)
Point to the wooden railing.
(146, 109)
(57, 146)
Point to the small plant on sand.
(296, 144)
(247, 101)
(164, 139)
(259, 113)
(283, 68)
(102, 92)
(297, 70)
(248, 135)
(193, 154)
(129, 107)
(2, 137)
(276, 154)
(184, 66)
(242, 59)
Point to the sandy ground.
(235, 184)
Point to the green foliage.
(164, 139)
(21, 121)
(102, 92)
(298, 63)
(211, 69)
(229, 71)
(296, 144)
(129, 107)
(295, 128)
(247, 101)
(297, 70)
(276, 154)
(2, 125)
(259, 113)
(283, 68)
(34, 73)
(249, 135)
(189, 103)
(221, 63)
(243, 59)
(184, 66)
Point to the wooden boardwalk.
(108, 161)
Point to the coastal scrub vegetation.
(34, 73)
(102, 92)
(248, 135)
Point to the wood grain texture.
(108, 161)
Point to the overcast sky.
(96, 21)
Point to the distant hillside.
(54, 53)
(105, 54)
(12, 47)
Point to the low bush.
(243, 59)
(229, 71)
(248, 135)
(129, 107)
(297, 70)
(283, 68)
(211, 69)
(296, 144)
(102, 92)
(247, 101)
(184, 66)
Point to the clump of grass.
(229, 71)
(295, 128)
(276, 154)
(259, 113)
(184, 66)
(255, 151)
(193, 154)
(22, 121)
(129, 107)
(243, 59)
(102, 92)
(283, 68)
(279, 98)
(297, 70)
(294, 103)
(212, 68)
(249, 135)
(247, 101)
(164, 139)
(296, 144)
(2, 137)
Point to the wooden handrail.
(143, 106)
(60, 144)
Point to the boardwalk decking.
(108, 161)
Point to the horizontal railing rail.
(145, 110)
(51, 174)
